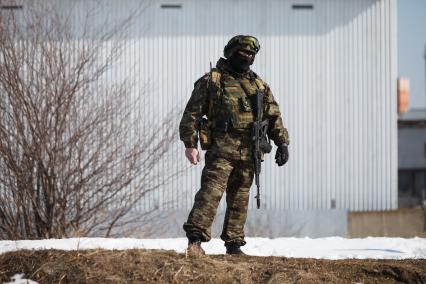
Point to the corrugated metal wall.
(332, 68)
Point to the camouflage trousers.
(220, 174)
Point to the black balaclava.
(240, 63)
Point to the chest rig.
(231, 101)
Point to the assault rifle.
(261, 143)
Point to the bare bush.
(73, 160)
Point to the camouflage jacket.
(230, 100)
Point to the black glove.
(281, 157)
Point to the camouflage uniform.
(227, 103)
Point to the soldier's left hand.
(281, 156)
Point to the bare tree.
(73, 158)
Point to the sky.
(411, 48)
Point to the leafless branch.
(73, 159)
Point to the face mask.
(240, 63)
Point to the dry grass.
(155, 266)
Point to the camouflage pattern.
(241, 42)
(220, 174)
(229, 162)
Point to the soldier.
(220, 114)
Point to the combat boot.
(234, 249)
(194, 249)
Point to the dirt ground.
(155, 266)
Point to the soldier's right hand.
(192, 155)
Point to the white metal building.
(331, 65)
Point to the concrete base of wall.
(297, 223)
(260, 223)
(405, 223)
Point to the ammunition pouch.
(222, 126)
(204, 134)
(265, 146)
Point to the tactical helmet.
(245, 42)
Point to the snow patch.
(19, 279)
(321, 248)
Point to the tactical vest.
(229, 99)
